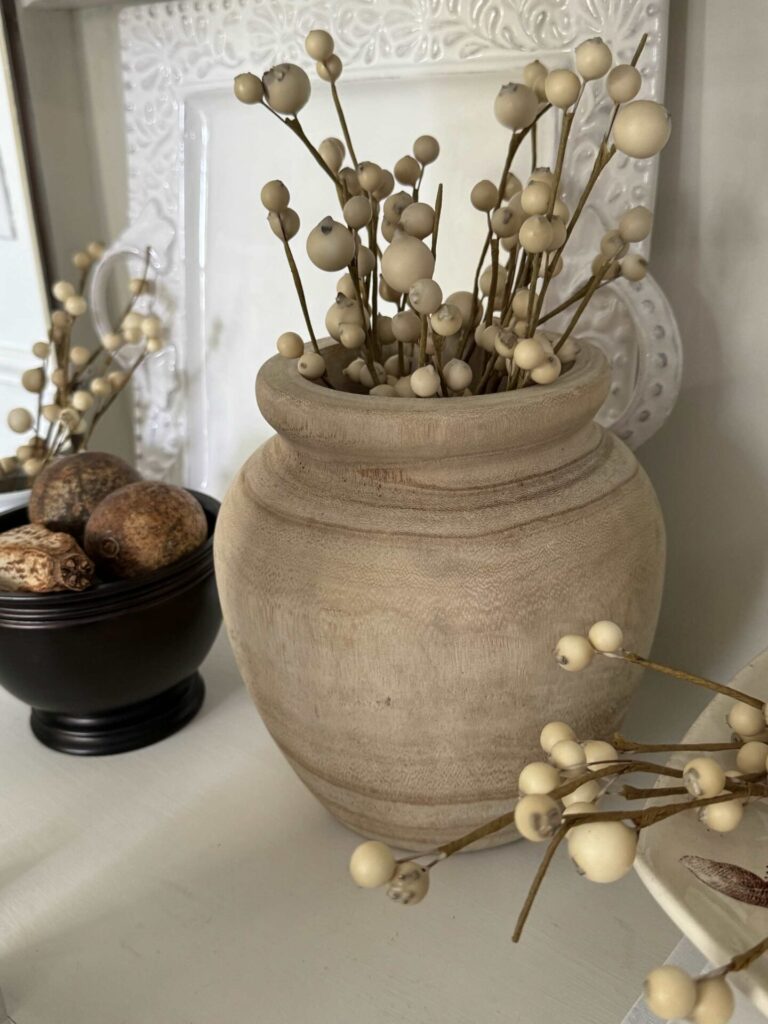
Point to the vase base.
(122, 729)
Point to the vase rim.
(304, 411)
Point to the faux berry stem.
(438, 211)
(343, 123)
(688, 677)
(538, 879)
(744, 960)
(299, 290)
(629, 746)
(594, 284)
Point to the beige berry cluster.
(384, 241)
(73, 384)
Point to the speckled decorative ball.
(69, 489)
(593, 59)
(330, 246)
(143, 527)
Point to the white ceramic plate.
(718, 925)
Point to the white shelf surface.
(197, 881)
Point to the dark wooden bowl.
(116, 667)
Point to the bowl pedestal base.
(121, 729)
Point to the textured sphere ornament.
(41, 349)
(406, 261)
(593, 59)
(516, 106)
(410, 884)
(248, 88)
(573, 652)
(290, 345)
(386, 185)
(642, 129)
(372, 864)
(537, 817)
(426, 149)
(703, 777)
(603, 851)
(425, 296)
(287, 88)
(311, 365)
(369, 175)
(562, 88)
(670, 993)
(623, 83)
(69, 490)
(329, 245)
(606, 636)
(715, 1003)
(79, 356)
(143, 527)
(425, 382)
(319, 44)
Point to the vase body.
(394, 576)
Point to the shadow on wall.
(711, 483)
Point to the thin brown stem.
(538, 879)
(343, 123)
(688, 677)
(438, 211)
(299, 290)
(629, 746)
(745, 959)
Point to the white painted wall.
(710, 463)
(710, 249)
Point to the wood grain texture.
(395, 574)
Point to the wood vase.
(395, 574)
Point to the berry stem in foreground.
(688, 677)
